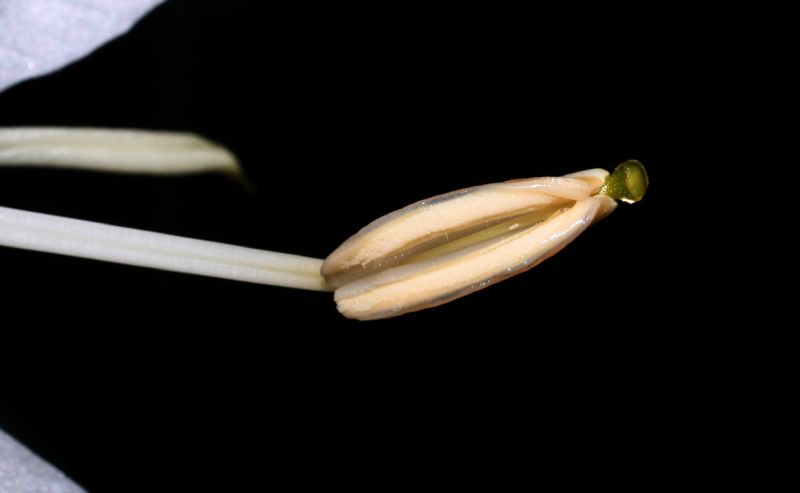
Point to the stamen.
(118, 150)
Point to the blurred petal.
(23, 472)
(40, 36)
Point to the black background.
(657, 339)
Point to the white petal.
(21, 471)
(40, 36)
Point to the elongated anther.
(445, 247)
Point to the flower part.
(627, 183)
(40, 36)
(448, 246)
(114, 150)
(86, 239)
(21, 471)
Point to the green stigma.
(628, 182)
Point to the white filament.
(110, 150)
(78, 238)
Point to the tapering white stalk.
(78, 238)
(114, 150)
